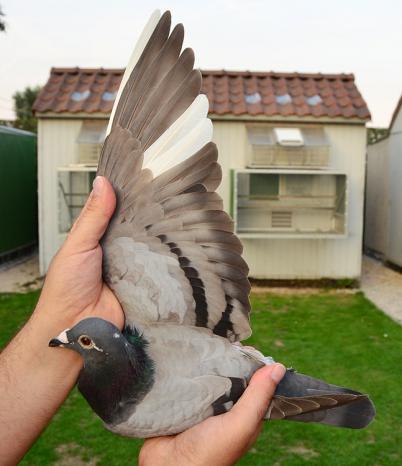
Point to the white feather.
(138, 49)
(187, 146)
(188, 134)
(197, 111)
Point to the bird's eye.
(85, 342)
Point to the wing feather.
(131, 92)
(197, 111)
(170, 253)
(138, 49)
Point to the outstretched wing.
(170, 253)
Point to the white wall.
(56, 147)
(268, 258)
(304, 258)
(394, 252)
(377, 196)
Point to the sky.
(363, 37)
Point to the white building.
(383, 219)
(292, 149)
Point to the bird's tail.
(302, 398)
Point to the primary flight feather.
(174, 263)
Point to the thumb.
(253, 404)
(94, 218)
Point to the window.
(74, 185)
(304, 147)
(283, 99)
(79, 96)
(263, 185)
(297, 204)
(253, 98)
(313, 100)
(90, 140)
(109, 96)
(298, 185)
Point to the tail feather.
(302, 398)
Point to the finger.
(253, 404)
(94, 218)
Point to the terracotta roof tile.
(237, 93)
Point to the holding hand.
(219, 440)
(74, 288)
(34, 379)
(39, 379)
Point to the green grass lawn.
(342, 338)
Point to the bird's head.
(111, 359)
(93, 338)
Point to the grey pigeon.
(174, 263)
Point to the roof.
(16, 131)
(395, 114)
(239, 93)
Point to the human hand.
(74, 288)
(219, 440)
(36, 379)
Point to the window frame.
(72, 168)
(313, 154)
(287, 234)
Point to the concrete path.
(20, 277)
(382, 286)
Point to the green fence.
(18, 191)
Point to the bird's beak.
(60, 340)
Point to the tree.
(2, 23)
(376, 134)
(23, 101)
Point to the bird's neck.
(116, 385)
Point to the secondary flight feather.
(174, 262)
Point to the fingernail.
(278, 372)
(97, 186)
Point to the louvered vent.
(281, 219)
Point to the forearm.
(34, 382)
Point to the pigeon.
(172, 259)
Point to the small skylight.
(314, 100)
(109, 96)
(253, 98)
(78, 96)
(283, 99)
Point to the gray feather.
(302, 398)
(179, 209)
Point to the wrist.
(35, 380)
(43, 325)
(51, 320)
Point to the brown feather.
(177, 215)
(151, 50)
(293, 406)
